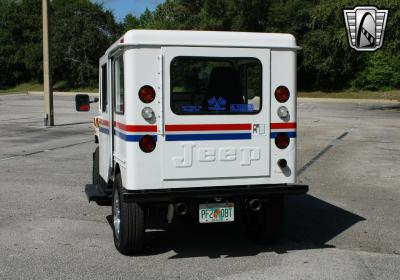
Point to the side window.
(253, 84)
(104, 88)
(119, 85)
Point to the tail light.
(147, 113)
(282, 140)
(147, 143)
(147, 94)
(282, 94)
(283, 112)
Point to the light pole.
(48, 89)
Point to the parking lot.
(346, 227)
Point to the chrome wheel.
(128, 222)
(117, 214)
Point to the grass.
(60, 86)
(23, 88)
(385, 95)
(82, 89)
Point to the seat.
(224, 82)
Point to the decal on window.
(241, 108)
(216, 104)
(215, 85)
(191, 108)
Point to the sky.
(121, 8)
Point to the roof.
(206, 38)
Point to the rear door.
(216, 113)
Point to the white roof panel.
(206, 38)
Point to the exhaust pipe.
(170, 213)
(181, 208)
(255, 204)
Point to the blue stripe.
(125, 137)
(291, 134)
(200, 137)
(131, 138)
(104, 130)
(193, 137)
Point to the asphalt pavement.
(346, 227)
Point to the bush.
(382, 71)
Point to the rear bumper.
(184, 194)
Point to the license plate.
(216, 212)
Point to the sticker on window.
(215, 85)
(191, 108)
(241, 108)
(216, 104)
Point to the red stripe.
(104, 122)
(130, 128)
(282, 125)
(136, 128)
(205, 127)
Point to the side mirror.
(95, 100)
(82, 102)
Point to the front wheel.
(128, 222)
(95, 168)
(96, 179)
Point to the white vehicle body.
(196, 123)
(196, 150)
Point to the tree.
(20, 42)
(81, 33)
(381, 71)
(173, 14)
(249, 15)
(130, 22)
(83, 30)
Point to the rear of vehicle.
(208, 130)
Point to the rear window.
(212, 86)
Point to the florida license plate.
(216, 212)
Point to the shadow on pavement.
(385, 107)
(310, 223)
(71, 124)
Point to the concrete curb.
(12, 93)
(301, 99)
(346, 100)
(61, 93)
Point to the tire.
(265, 225)
(96, 179)
(95, 169)
(128, 222)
